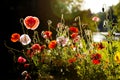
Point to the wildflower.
(96, 58)
(73, 29)
(62, 40)
(26, 65)
(117, 57)
(43, 47)
(96, 19)
(15, 37)
(71, 60)
(21, 59)
(36, 48)
(52, 44)
(76, 39)
(31, 22)
(95, 61)
(100, 46)
(25, 39)
(46, 34)
(74, 35)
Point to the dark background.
(10, 13)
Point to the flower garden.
(71, 54)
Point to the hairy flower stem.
(62, 19)
(96, 27)
(23, 29)
(11, 48)
(36, 38)
(79, 22)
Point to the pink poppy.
(76, 39)
(96, 19)
(21, 59)
(31, 22)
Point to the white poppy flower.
(25, 39)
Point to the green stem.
(11, 48)
(21, 21)
(79, 22)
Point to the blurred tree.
(69, 8)
(116, 12)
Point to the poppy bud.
(103, 9)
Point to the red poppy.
(15, 37)
(52, 44)
(96, 61)
(74, 35)
(100, 46)
(71, 60)
(26, 65)
(96, 56)
(31, 22)
(74, 29)
(47, 34)
(30, 53)
(43, 47)
(36, 48)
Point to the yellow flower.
(117, 57)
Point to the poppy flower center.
(31, 22)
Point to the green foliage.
(116, 10)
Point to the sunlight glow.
(96, 5)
